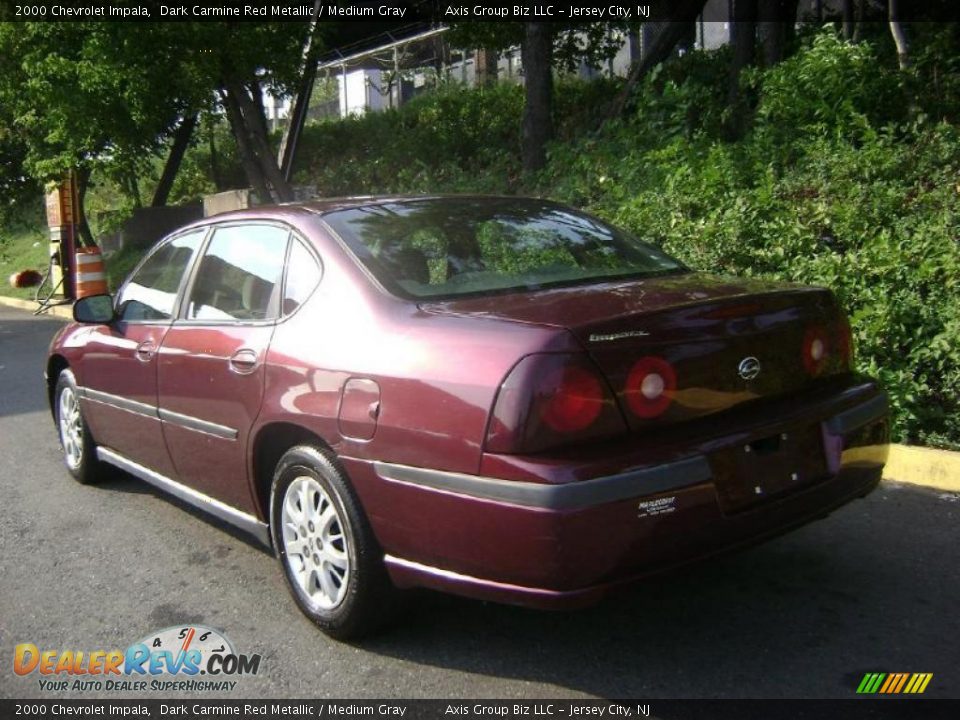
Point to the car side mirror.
(96, 309)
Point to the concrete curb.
(59, 311)
(939, 469)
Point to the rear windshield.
(448, 247)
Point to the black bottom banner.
(539, 709)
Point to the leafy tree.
(259, 57)
(86, 96)
(543, 48)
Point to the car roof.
(323, 206)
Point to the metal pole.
(396, 76)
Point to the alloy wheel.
(315, 544)
(71, 428)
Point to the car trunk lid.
(728, 341)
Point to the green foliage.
(23, 246)
(835, 185)
(448, 140)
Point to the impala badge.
(749, 368)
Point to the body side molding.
(227, 513)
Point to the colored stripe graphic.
(871, 683)
(894, 683)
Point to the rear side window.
(150, 294)
(239, 274)
(303, 275)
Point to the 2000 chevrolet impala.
(499, 397)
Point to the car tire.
(330, 558)
(76, 441)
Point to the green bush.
(447, 140)
(831, 186)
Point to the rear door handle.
(146, 350)
(244, 361)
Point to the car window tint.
(445, 247)
(303, 275)
(238, 274)
(152, 291)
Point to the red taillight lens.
(549, 400)
(844, 343)
(571, 399)
(650, 387)
(815, 350)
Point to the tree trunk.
(82, 178)
(181, 141)
(301, 103)
(251, 167)
(848, 21)
(132, 186)
(215, 170)
(899, 36)
(536, 53)
(789, 10)
(776, 23)
(858, 25)
(662, 42)
(255, 126)
(486, 67)
(252, 106)
(773, 38)
(744, 31)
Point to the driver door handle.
(244, 361)
(146, 350)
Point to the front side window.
(150, 294)
(446, 247)
(239, 274)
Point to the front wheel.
(330, 558)
(79, 450)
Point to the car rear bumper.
(541, 536)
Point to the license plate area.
(768, 466)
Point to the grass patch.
(22, 249)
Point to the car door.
(211, 362)
(119, 367)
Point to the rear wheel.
(79, 450)
(330, 558)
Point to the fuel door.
(359, 409)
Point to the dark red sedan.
(499, 397)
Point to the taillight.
(572, 399)
(828, 350)
(650, 387)
(844, 343)
(815, 349)
(549, 400)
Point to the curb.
(939, 469)
(60, 311)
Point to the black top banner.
(418, 11)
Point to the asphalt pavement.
(872, 588)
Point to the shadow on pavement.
(872, 588)
(23, 348)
